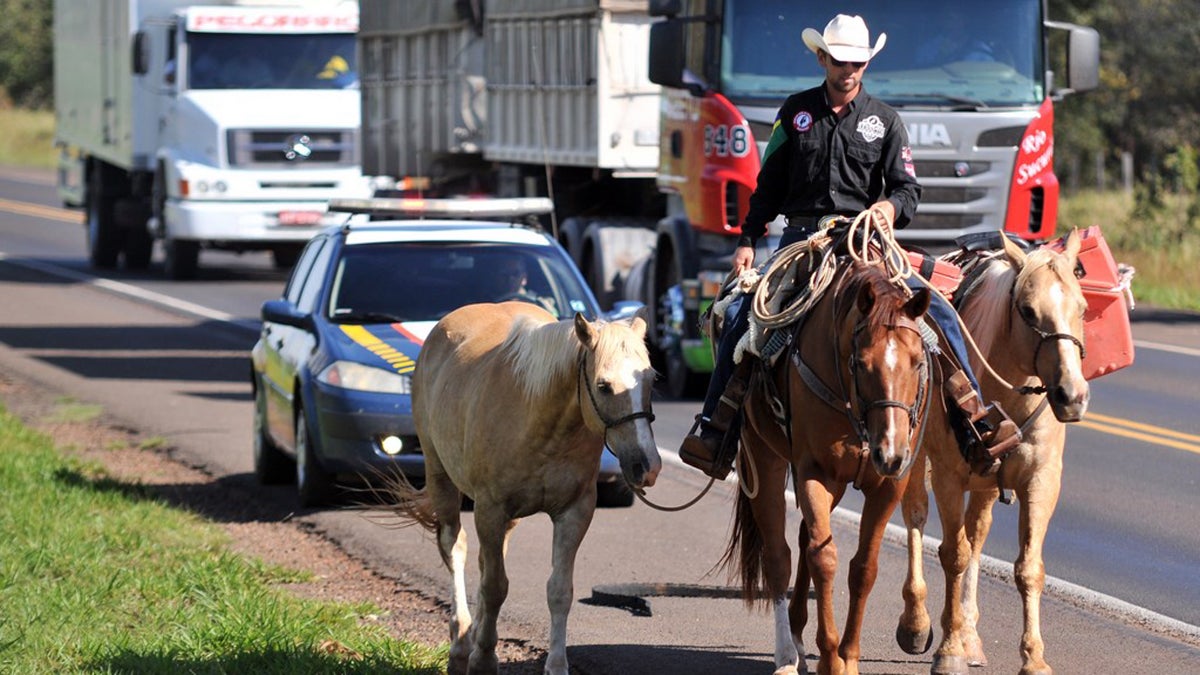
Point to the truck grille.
(250, 148)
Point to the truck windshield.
(939, 53)
(267, 61)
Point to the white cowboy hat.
(845, 39)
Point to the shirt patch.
(871, 128)
(803, 121)
(906, 153)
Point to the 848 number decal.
(726, 141)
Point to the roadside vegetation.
(101, 576)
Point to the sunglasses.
(842, 64)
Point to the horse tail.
(744, 554)
(404, 503)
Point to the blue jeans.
(737, 321)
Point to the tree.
(27, 52)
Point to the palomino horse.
(1025, 312)
(513, 410)
(842, 405)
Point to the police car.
(332, 368)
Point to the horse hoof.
(1043, 669)
(973, 646)
(943, 664)
(914, 642)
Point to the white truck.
(227, 125)
(521, 98)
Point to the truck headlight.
(356, 376)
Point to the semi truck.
(226, 125)
(645, 123)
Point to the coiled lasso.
(870, 241)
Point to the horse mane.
(541, 353)
(985, 304)
(890, 296)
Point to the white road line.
(1079, 596)
(1174, 349)
(1084, 598)
(127, 290)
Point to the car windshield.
(269, 61)
(391, 282)
(939, 53)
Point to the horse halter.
(860, 423)
(1043, 338)
(647, 415)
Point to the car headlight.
(351, 375)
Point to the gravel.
(255, 529)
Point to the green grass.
(1162, 242)
(28, 138)
(100, 576)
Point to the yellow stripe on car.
(395, 358)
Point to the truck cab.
(972, 82)
(220, 126)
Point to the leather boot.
(715, 447)
(985, 433)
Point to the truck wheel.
(285, 257)
(181, 258)
(314, 484)
(138, 249)
(103, 235)
(681, 381)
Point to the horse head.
(889, 373)
(1047, 321)
(616, 373)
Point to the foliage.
(1148, 103)
(27, 52)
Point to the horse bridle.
(866, 407)
(845, 402)
(647, 415)
(1043, 338)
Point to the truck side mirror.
(666, 53)
(1083, 58)
(139, 59)
(664, 8)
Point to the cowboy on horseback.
(835, 151)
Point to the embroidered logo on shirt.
(871, 128)
(906, 155)
(802, 121)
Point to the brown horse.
(1025, 312)
(513, 410)
(850, 392)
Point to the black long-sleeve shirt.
(818, 164)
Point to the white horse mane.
(988, 304)
(541, 353)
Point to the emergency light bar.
(491, 207)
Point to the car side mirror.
(283, 312)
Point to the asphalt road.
(170, 359)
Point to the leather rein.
(849, 402)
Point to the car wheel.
(271, 465)
(315, 485)
(615, 494)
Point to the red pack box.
(1106, 330)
